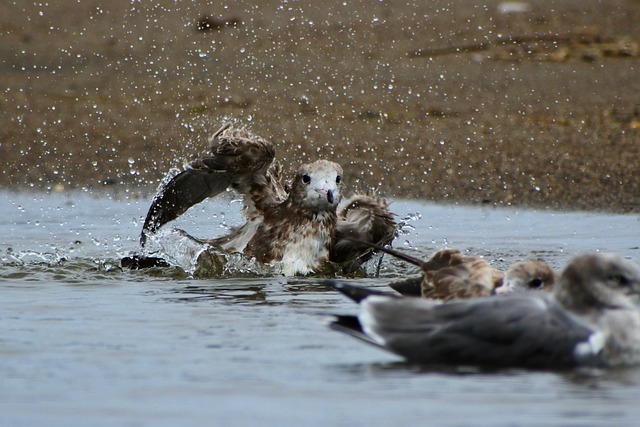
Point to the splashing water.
(200, 259)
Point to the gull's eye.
(620, 279)
(338, 179)
(536, 283)
(306, 178)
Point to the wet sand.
(442, 101)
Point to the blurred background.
(506, 103)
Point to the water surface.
(84, 342)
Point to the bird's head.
(318, 185)
(599, 280)
(528, 276)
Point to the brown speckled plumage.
(299, 226)
(449, 274)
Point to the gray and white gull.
(591, 318)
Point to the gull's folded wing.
(525, 330)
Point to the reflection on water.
(250, 293)
(84, 339)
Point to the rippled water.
(86, 343)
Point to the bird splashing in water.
(299, 227)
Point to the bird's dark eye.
(620, 279)
(338, 179)
(306, 178)
(536, 283)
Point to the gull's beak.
(504, 289)
(330, 196)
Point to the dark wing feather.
(356, 293)
(350, 325)
(186, 189)
(411, 286)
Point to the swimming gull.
(531, 275)
(449, 274)
(589, 319)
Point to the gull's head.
(318, 185)
(528, 276)
(599, 280)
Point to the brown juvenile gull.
(297, 226)
(466, 277)
(448, 274)
(591, 318)
(528, 276)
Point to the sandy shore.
(443, 101)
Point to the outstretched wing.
(239, 160)
(363, 221)
(249, 161)
(186, 189)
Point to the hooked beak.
(330, 196)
